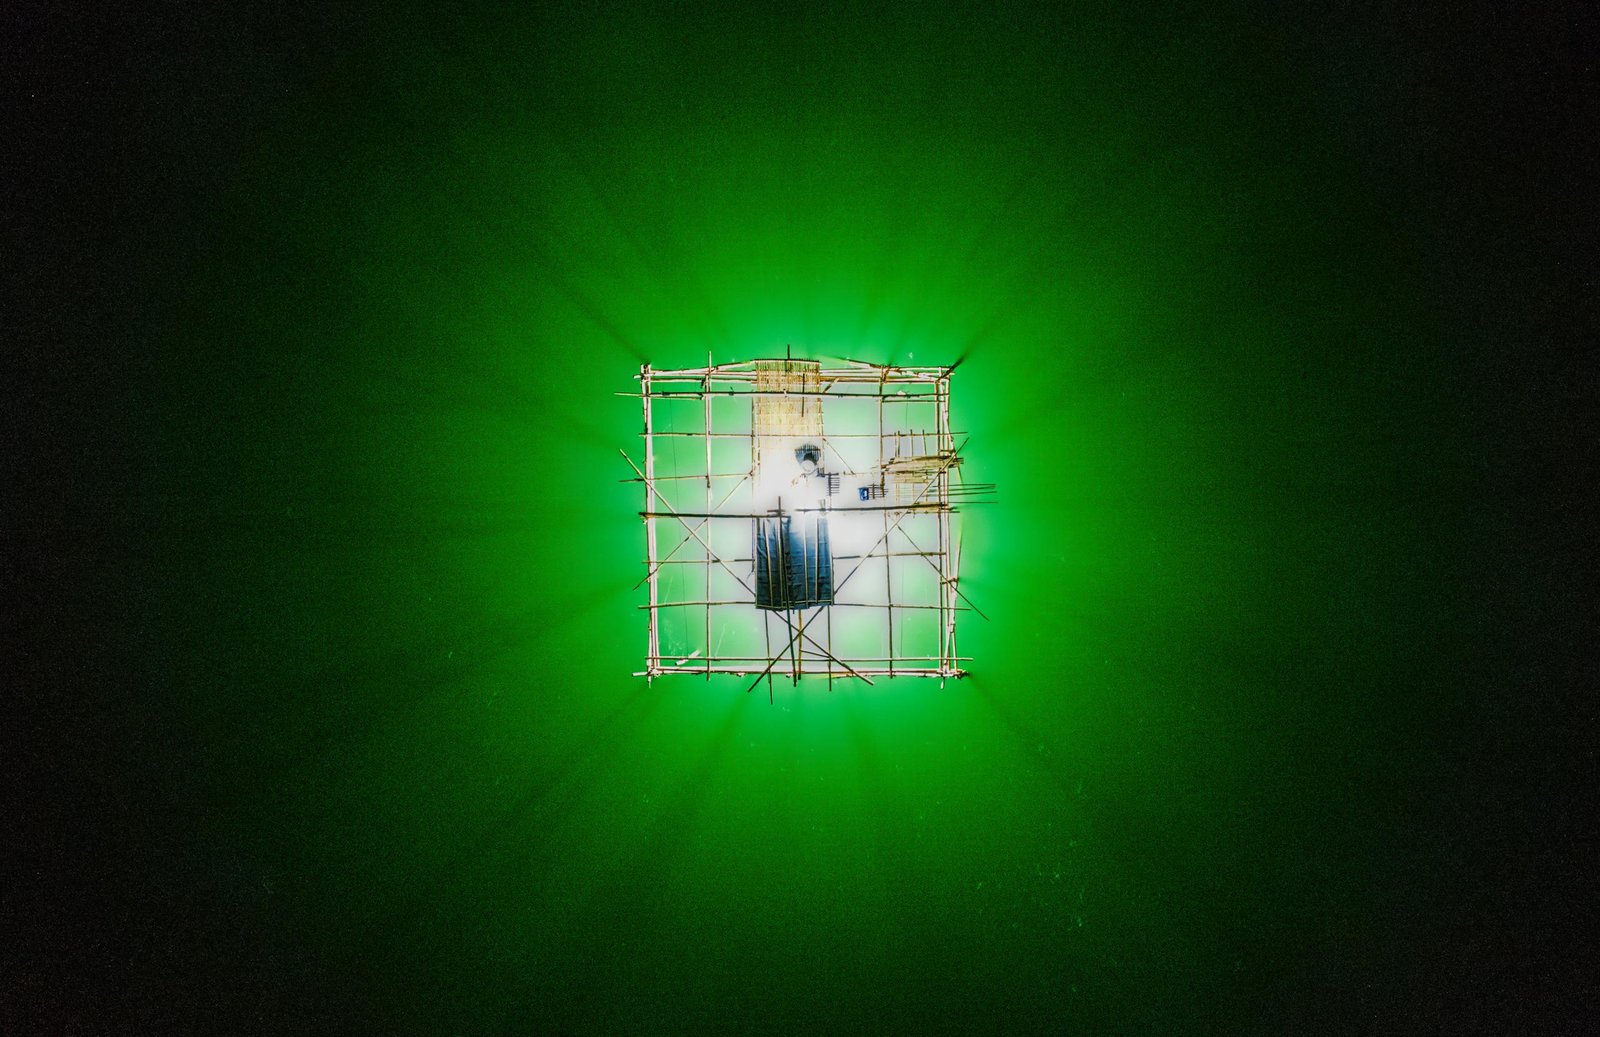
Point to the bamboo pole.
(888, 563)
(709, 508)
(649, 522)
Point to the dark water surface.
(320, 505)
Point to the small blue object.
(862, 490)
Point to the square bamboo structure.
(888, 483)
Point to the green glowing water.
(387, 552)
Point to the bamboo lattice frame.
(710, 511)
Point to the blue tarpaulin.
(794, 566)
